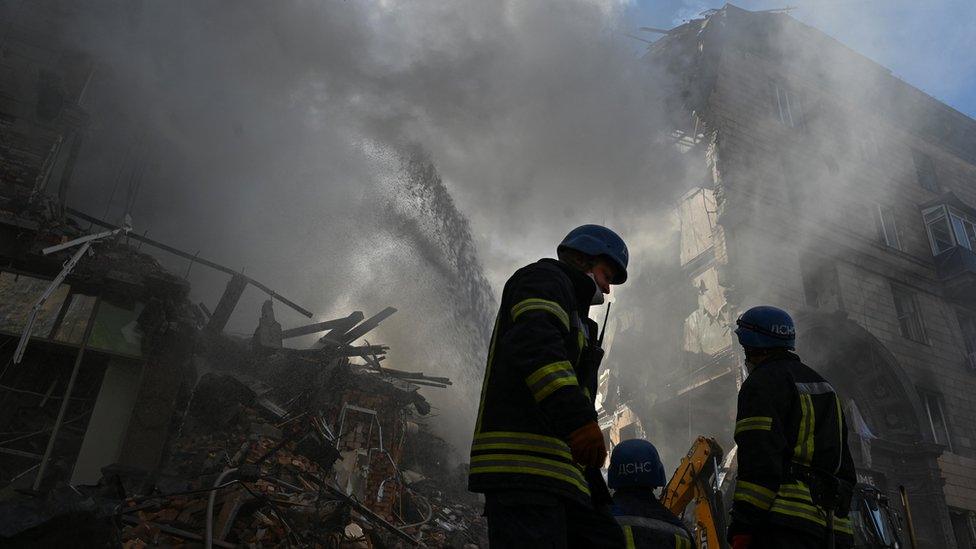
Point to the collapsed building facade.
(125, 407)
(826, 186)
(833, 190)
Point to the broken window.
(786, 106)
(934, 413)
(965, 229)
(867, 145)
(937, 225)
(909, 315)
(948, 227)
(821, 286)
(963, 527)
(925, 171)
(884, 220)
(967, 323)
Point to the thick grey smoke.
(355, 155)
(330, 148)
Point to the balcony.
(957, 269)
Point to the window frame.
(868, 145)
(968, 518)
(967, 225)
(821, 283)
(928, 398)
(960, 226)
(913, 326)
(943, 218)
(784, 94)
(886, 235)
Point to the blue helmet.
(635, 463)
(597, 240)
(766, 327)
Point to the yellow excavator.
(697, 494)
(696, 481)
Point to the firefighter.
(537, 448)
(795, 473)
(635, 472)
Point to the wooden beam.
(350, 321)
(335, 335)
(363, 351)
(425, 383)
(368, 325)
(216, 266)
(228, 302)
(416, 375)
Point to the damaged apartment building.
(129, 415)
(828, 187)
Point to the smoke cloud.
(371, 153)
(355, 155)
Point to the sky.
(928, 44)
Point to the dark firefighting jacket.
(647, 523)
(790, 430)
(539, 386)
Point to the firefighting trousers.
(785, 538)
(538, 520)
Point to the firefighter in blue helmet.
(795, 474)
(635, 472)
(537, 448)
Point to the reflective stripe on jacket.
(788, 417)
(648, 524)
(538, 385)
(637, 536)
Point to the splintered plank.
(228, 302)
(365, 351)
(348, 322)
(368, 325)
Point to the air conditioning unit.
(971, 361)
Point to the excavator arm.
(695, 481)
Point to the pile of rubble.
(169, 432)
(286, 448)
(323, 472)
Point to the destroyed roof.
(912, 108)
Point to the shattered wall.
(810, 142)
(41, 81)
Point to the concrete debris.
(268, 333)
(130, 416)
(312, 479)
(174, 429)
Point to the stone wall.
(799, 195)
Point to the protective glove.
(742, 541)
(587, 445)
